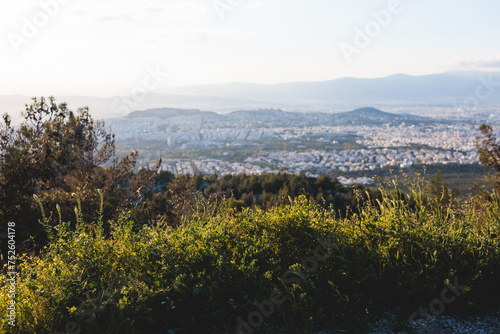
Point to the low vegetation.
(205, 274)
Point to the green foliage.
(173, 200)
(488, 148)
(54, 154)
(440, 190)
(201, 276)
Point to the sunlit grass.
(394, 253)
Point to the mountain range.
(361, 116)
(450, 88)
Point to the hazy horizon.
(167, 90)
(106, 48)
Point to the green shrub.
(202, 276)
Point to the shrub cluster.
(216, 272)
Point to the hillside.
(165, 113)
(367, 115)
(372, 116)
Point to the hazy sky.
(106, 47)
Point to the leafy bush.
(204, 276)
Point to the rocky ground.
(442, 324)
(488, 323)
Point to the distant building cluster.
(359, 160)
(275, 141)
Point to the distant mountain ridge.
(367, 115)
(448, 87)
(374, 116)
(373, 112)
(273, 113)
(164, 113)
(118, 106)
(367, 111)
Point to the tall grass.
(201, 276)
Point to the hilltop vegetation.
(323, 271)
